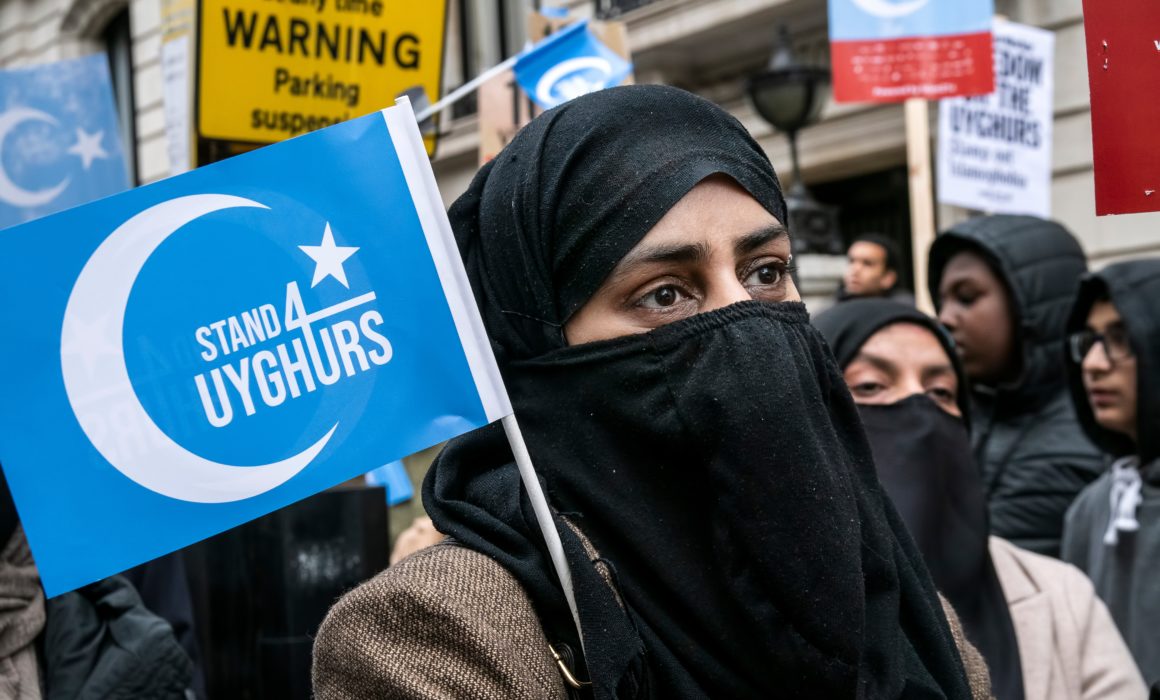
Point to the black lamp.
(790, 96)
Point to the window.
(480, 34)
(118, 41)
(879, 203)
(608, 9)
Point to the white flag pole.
(404, 130)
(466, 89)
(543, 515)
(473, 84)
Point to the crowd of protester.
(1059, 363)
(872, 503)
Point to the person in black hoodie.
(1112, 531)
(1003, 286)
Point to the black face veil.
(717, 464)
(924, 462)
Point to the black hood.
(1134, 288)
(1041, 263)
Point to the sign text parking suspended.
(273, 69)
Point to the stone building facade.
(854, 157)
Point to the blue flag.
(858, 20)
(394, 478)
(190, 355)
(570, 63)
(58, 138)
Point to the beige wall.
(711, 45)
(705, 45)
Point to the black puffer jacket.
(1034, 456)
(100, 643)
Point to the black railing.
(607, 9)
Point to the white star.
(92, 340)
(328, 258)
(88, 147)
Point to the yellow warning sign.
(272, 69)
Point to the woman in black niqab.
(924, 461)
(716, 463)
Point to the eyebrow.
(937, 371)
(890, 367)
(880, 363)
(697, 252)
(755, 239)
(682, 253)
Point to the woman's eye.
(662, 297)
(866, 389)
(943, 395)
(765, 276)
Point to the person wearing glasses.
(1003, 286)
(1112, 532)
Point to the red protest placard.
(1123, 51)
(892, 50)
(897, 69)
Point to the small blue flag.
(190, 355)
(570, 63)
(58, 138)
(394, 478)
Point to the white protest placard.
(994, 151)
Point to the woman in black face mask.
(1037, 622)
(707, 470)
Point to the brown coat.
(1069, 646)
(449, 622)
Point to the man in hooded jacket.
(1026, 439)
(1112, 531)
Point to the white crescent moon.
(9, 191)
(558, 71)
(159, 464)
(890, 10)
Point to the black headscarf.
(923, 457)
(736, 509)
